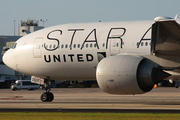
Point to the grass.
(88, 116)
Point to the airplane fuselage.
(124, 57)
(72, 51)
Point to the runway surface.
(161, 99)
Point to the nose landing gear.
(47, 96)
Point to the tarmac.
(160, 99)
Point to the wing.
(165, 37)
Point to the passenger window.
(91, 45)
(78, 45)
(150, 43)
(54, 46)
(142, 44)
(82, 45)
(50, 46)
(62, 46)
(146, 43)
(86, 45)
(74, 45)
(95, 45)
(66, 46)
(137, 43)
(103, 45)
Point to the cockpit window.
(14, 46)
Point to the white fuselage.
(70, 51)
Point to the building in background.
(29, 26)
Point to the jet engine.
(126, 74)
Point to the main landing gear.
(47, 96)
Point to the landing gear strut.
(47, 96)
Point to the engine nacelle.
(125, 74)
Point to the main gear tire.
(47, 97)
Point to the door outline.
(37, 48)
(114, 46)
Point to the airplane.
(127, 57)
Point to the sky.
(81, 11)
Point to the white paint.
(30, 58)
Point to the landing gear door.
(114, 46)
(38, 48)
(37, 80)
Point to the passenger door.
(114, 46)
(38, 48)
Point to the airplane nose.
(9, 59)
